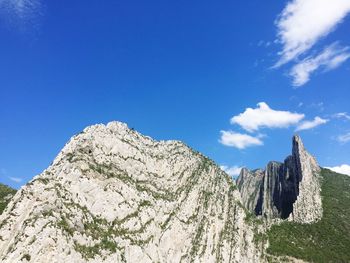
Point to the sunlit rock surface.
(114, 195)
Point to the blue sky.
(185, 70)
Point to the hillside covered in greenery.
(5, 193)
(325, 241)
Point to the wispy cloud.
(263, 116)
(231, 170)
(330, 58)
(303, 22)
(15, 179)
(20, 12)
(239, 140)
(344, 138)
(342, 169)
(319, 106)
(300, 25)
(342, 115)
(306, 125)
(3, 172)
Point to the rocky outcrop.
(308, 206)
(289, 190)
(114, 195)
(249, 183)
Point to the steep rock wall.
(289, 190)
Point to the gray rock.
(114, 195)
(289, 190)
(249, 184)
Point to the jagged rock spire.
(285, 190)
(297, 145)
(308, 206)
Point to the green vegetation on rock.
(5, 196)
(325, 241)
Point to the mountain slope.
(6, 193)
(113, 195)
(327, 240)
(284, 190)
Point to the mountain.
(289, 190)
(6, 193)
(328, 239)
(314, 203)
(114, 195)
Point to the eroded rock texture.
(114, 195)
(289, 190)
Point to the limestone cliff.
(289, 190)
(114, 195)
(250, 191)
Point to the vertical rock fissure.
(288, 190)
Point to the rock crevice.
(288, 190)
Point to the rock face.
(249, 184)
(289, 190)
(113, 195)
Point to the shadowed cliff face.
(275, 191)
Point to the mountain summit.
(114, 195)
(288, 190)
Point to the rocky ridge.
(114, 195)
(289, 190)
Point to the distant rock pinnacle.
(289, 190)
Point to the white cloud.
(263, 116)
(239, 140)
(344, 138)
(330, 58)
(342, 169)
(303, 22)
(16, 179)
(344, 115)
(306, 125)
(231, 170)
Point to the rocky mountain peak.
(288, 190)
(115, 195)
(297, 144)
